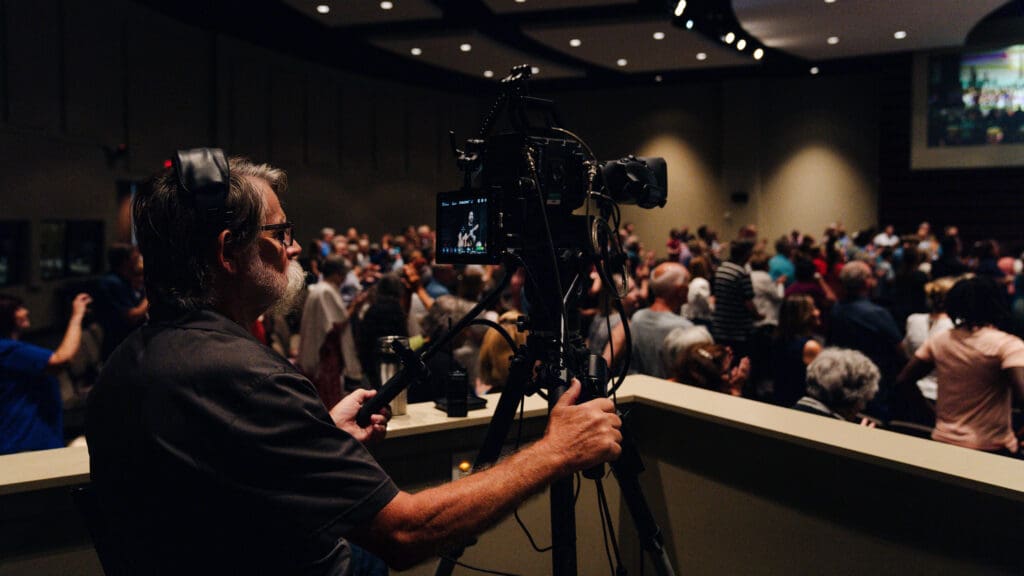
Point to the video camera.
(522, 184)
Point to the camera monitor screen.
(464, 228)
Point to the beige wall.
(803, 150)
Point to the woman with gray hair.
(840, 383)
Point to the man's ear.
(227, 255)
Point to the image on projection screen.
(976, 98)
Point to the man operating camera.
(211, 454)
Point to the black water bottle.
(457, 393)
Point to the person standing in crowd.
(209, 453)
(794, 347)
(31, 410)
(840, 384)
(699, 307)
(338, 369)
(735, 312)
(650, 325)
(887, 238)
(978, 368)
(859, 324)
(781, 265)
(120, 299)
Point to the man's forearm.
(417, 526)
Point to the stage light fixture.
(416, 51)
(900, 34)
(680, 8)
(466, 47)
(702, 56)
(488, 73)
(575, 42)
(833, 40)
(758, 54)
(728, 38)
(323, 8)
(621, 62)
(385, 5)
(659, 35)
(741, 44)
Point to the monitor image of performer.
(468, 232)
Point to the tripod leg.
(504, 415)
(563, 515)
(627, 469)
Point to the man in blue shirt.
(860, 324)
(780, 265)
(31, 411)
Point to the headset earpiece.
(203, 175)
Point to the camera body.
(515, 177)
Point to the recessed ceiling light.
(900, 34)
(385, 5)
(622, 61)
(534, 70)
(729, 38)
(488, 73)
(833, 40)
(575, 42)
(659, 35)
(520, 1)
(680, 8)
(658, 78)
(702, 56)
(416, 51)
(323, 8)
(758, 54)
(466, 47)
(741, 44)
(814, 70)
(689, 24)
(830, 1)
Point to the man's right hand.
(79, 305)
(583, 435)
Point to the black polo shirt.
(209, 453)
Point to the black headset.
(204, 178)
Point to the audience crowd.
(909, 332)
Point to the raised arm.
(72, 335)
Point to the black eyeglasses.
(283, 232)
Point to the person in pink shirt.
(978, 368)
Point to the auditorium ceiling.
(473, 42)
(579, 38)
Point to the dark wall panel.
(322, 120)
(389, 114)
(170, 92)
(247, 80)
(288, 118)
(357, 128)
(94, 85)
(34, 64)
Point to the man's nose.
(294, 250)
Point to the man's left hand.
(344, 416)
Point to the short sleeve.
(926, 351)
(1012, 353)
(24, 359)
(299, 469)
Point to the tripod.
(540, 364)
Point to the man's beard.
(283, 290)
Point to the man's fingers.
(571, 394)
(362, 395)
